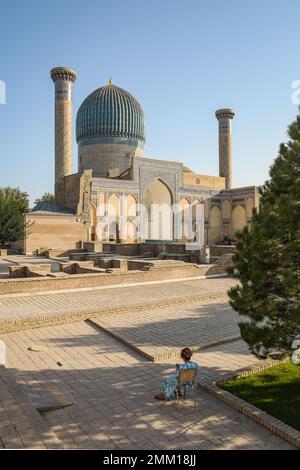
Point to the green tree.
(14, 204)
(45, 197)
(267, 262)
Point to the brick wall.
(127, 249)
(220, 250)
(203, 181)
(62, 232)
(8, 286)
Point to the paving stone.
(38, 309)
(113, 387)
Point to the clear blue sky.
(181, 59)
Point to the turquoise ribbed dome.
(110, 112)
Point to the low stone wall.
(150, 248)
(126, 249)
(92, 247)
(222, 264)
(29, 270)
(79, 267)
(9, 286)
(107, 263)
(75, 256)
(220, 250)
(135, 249)
(139, 264)
(175, 256)
(175, 248)
(60, 253)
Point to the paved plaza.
(112, 390)
(87, 389)
(162, 333)
(33, 306)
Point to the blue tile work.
(110, 111)
(109, 140)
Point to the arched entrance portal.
(159, 211)
(114, 232)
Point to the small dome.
(111, 112)
(51, 207)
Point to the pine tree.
(267, 261)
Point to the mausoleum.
(119, 194)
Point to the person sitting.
(170, 383)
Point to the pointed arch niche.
(159, 211)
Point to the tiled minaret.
(224, 117)
(63, 78)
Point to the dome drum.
(105, 140)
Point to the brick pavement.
(161, 333)
(21, 425)
(31, 310)
(112, 389)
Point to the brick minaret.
(224, 117)
(63, 78)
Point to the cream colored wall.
(239, 220)
(226, 209)
(104, 157)
(56, 232)
(249, 206)
(206, 181)
(215, 225)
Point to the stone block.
(29, 270)
(17, 271)
(92, 247)
(77, 256)
(220, 250)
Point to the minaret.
(63, 78)
(224, 117)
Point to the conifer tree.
(267, 261)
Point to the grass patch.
(275, 390)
